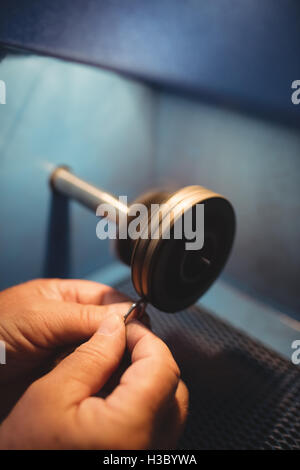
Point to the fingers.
(63, 323)
(87, 292)
(84, 305)
(150, 403)
(150, 381)
(87, 369)
(66, 312)
(179, 414)
(170, 422)
(182, 400)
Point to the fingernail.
(110, 324)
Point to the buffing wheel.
(164, 272)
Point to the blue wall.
(256, 164)
(56, 112)
(127, 137)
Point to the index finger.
(87, 292)
(151, 380)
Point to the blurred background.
(136, 94)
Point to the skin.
(64, 407)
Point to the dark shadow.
(242, 394)
(57, 259)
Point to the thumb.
(84, 372)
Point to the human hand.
(146, 410)
(41, 317)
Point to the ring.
(139, 307)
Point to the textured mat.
(242, 395)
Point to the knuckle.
(87, 316)
(169, 362)
(174, 368)
(166, 367)
(38, 283)
(37, 392)
(185, 394)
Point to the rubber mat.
(242, 394)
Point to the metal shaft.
(90, 196)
